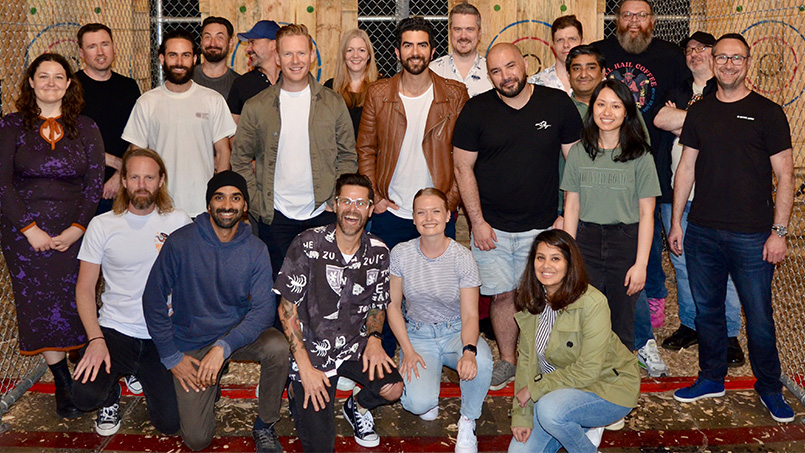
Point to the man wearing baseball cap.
(208, 299)
(699, 59)
(261, 48)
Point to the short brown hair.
(464, 8)
(164, 202)
(91, 28)
(566, 22)
(294, 30)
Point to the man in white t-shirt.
(125, 242)
(464, 64)
(300, 137)
(404, 142)
(187, 124)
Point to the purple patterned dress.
(56, 189)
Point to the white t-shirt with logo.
(126, 247)
(293, 174)
(182, 128)
(411, 173)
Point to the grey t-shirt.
(432, 285)
(220, 84)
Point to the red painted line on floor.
(450, 390)
(618, 439)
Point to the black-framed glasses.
(698, 49)
(641, 16)
(359, 203)
(737, 60)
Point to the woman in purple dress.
(51, 170)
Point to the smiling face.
(351, 219)
(215, 42)
(430, 215)
(550, 266)
(728, 75)
(563, 40)
(262, 52)
(294, 57)
(178, 61)
(356, 55)
(465, 33)
(49, 83)
(415, 52)
(635, 33)
(585, 74)
(97, 50)
(608, 110)
(226, 207)
(507, 69)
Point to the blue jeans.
(563, 416)
(643, 332)
(440, 344)
(655, 275)
(687, 309)
(712, 256)
(502, 267)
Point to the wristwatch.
(781, 230)
(377, 335)
(471, 348)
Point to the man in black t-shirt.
(109, 99)
(261, 48)
(506, 149)
(733, 142)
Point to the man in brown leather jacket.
(405, 139)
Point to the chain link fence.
(166, 16)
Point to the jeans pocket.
(629, 231)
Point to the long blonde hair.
(341, 80)
(164, 202)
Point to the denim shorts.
(502, 267)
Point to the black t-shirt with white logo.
(733, 171)
(517, 168)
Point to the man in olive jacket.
(290, 189)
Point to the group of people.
(223, 211)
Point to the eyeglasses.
(346, 202)
(642, 16)
(737, 60)
(697, 49)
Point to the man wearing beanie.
(208, 299)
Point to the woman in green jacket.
(573, 373)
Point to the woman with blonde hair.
(355, 70)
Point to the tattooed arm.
(315, 382)
(374, 357)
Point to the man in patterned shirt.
(334, 289)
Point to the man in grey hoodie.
(208, 299)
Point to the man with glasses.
(334, 288)
(699, 58)
(649, 67)
(733, 143)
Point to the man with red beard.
(404, 143)
(187, 124)
(649, 67)
(216, 39)
(126, 243)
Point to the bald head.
(507, 69)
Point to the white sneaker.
(595, 435)
(430, 415)
(345, 384)
(617, 426)
(466, 442)
(133, 384)
(649, 358)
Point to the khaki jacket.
(383, 127)
(584, 350)
(332, 145)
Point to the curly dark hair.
(71, 104)
(633, 140)
(531, 294)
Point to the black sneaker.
(684, 337)
(735, 355)
(266, 441)
(363, 424)
(108, 420)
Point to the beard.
(142, 200)
(178, 79)
(351, 229)
(635, 45)
(214, 54)
(515, 90)
(411, 65)
(226, 223)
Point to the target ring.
(775, 59)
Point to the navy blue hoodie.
(220, 292)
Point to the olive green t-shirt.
(608, 190)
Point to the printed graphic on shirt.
(604, 178)
(639, 79)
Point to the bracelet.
(96, 338)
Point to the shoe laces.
(650, 352)
(266, 436)
(655, 304)
(108, 414)
(365, 422)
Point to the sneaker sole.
(700, 397)
(495, 388)
(776, 418)
(663, 373)
(467, 449)
(617, 426)
(107, 431)
(359, 441)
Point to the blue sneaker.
(780, 410)
(702, 388)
